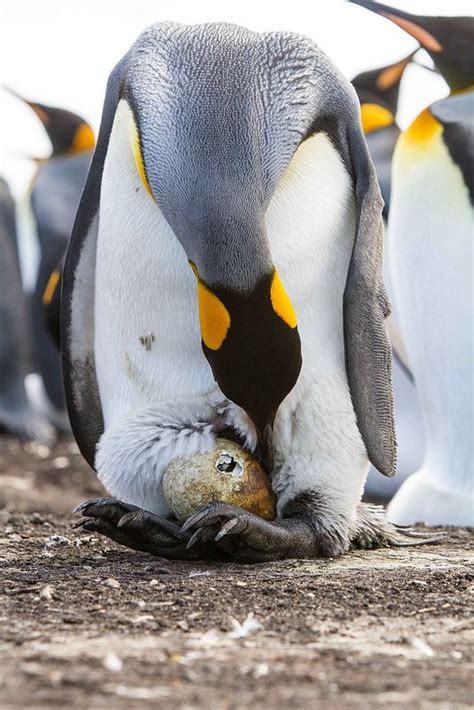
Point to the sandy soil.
(86, 623)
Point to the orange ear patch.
(214, 318)
(83, 139)
(51, 287)
(423, 36)
(423, 129)
(138, 156)
(281, 303)
(374, 116)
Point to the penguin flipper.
(455, 114)
(78, 293)
(366, 305)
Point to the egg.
(228, 474)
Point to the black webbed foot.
(247, 537)
(139, 529)
(302, 533)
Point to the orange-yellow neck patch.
(281, 303)
(138, 157)
(214, 318)
(374, 117)
(51, 287)
(424, 129)
(83, 139)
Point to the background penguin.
(262, 335)
(16, 415)
(378, 92)
(431, 254)
(54, 196)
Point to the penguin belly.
(431, 259)
(311, 226)
(147, 338)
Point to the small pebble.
(47, 592)
(56, 541)
(61, 462)
(112, 663)
(113, 583)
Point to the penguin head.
(448, 40)
(211, 152)
(381, 86)
(378, 91)
(68, 132)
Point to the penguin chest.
(311, 225)
(430, 235)
(147, 339)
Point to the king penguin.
(225, 274)
(16, 414)
(431, 220)
(378, 91)
(54, 196)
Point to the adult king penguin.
(431, 258)
(16, 414)
(54, 196)
(231, 200)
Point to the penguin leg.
(139, 529)
(301, 534)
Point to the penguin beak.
(407, 22)
(265, 445)
(392, 75)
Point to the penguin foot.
(303, 534)
(138, 529)
(247, 537)
(372, 529)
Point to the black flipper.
(368, 351)
(78, 293)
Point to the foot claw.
(228, 528)
(196, 537)
(195, 519)
(82, 506)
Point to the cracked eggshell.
(228, 473)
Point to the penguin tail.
(372, 529)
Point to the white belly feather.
(147, 340)
(431, 251)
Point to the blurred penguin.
(54, 196)
(16, 414)
(378, 91)
(431, 256)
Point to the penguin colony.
(52, 201)
(431, 253)
(224, 280)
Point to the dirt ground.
(85, 623)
